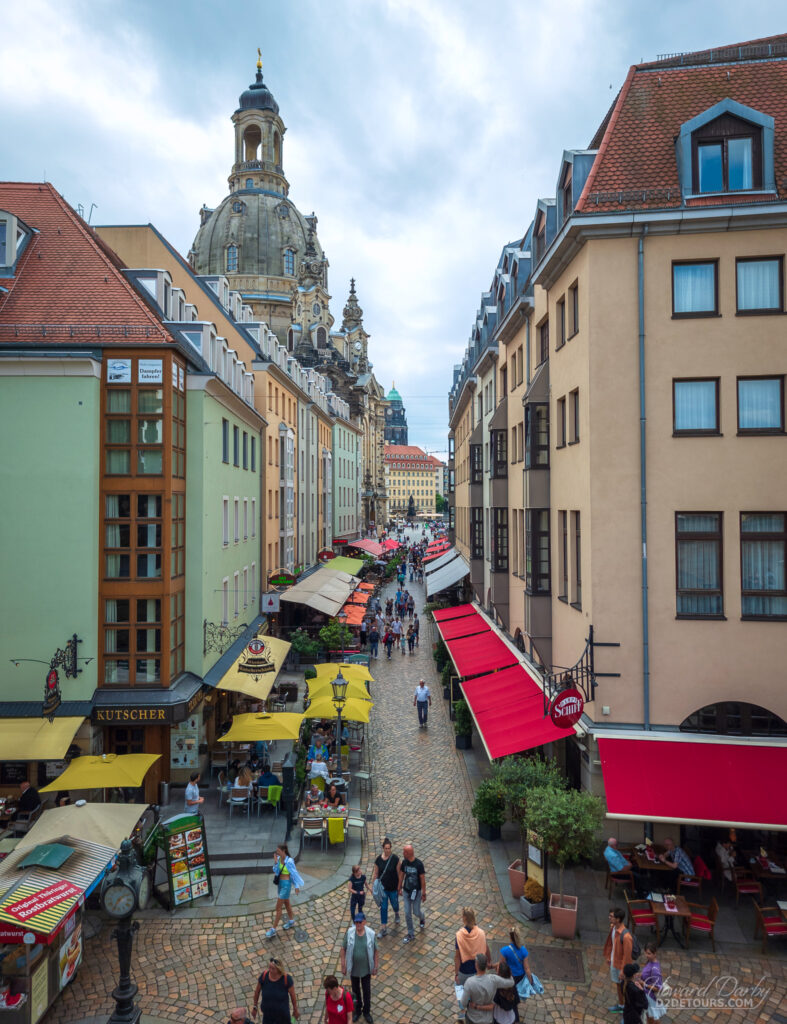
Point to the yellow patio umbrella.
(251, 728)
(322, 688)
(330, 669)
(354, 710)
(104, 772)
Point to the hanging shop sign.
(566, 709)
(281, 578)
(161, 714)
(325, 555)
(271, 602)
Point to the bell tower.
(259, 135)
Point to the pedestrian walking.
(338, 1001)
(274, 989)
(359, 959)
(422, 701)
(412, 888)
(364, 631)
(403, 641)
(618, 953)
(285, 875)
(357, 887)
(470, 939)
(388, 640)
(410, 639)
(506, 999)
(479, 991)
(374, 641)
(635, 1001)
(410, 606)
(516, 956)
(386, 869)
(416, 628)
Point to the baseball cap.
(359, 916)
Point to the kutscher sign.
(567, 708)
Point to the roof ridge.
(607, 135)
(689, 58)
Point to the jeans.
(388, 649)
(373, 648)
(411, 907)
(394, 898)
(357, 900)
(423, 711)
(362, 985)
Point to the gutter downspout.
(527, 348)
(643, 479)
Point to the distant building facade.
(411, 473)
(395, 419)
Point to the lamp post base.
(125, 1011)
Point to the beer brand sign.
(566, 709)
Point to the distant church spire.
(353, 314)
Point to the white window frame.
(225, 521)
(236, 602)
(225, 600)
(236, 519)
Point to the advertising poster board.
(186, 855)
(184, 744)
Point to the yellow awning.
(275, 652)
(282, 725)
(352, 673)
(36, 739)
(322, 688)
(107, 824)
(103, 772)
(354, 710)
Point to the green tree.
(518, 776)
(565, 823)
(439, 504)
(335, 636)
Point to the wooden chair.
(314, 828)
(702, 920)
(771, 922)
(692, 883)
(624, 878)
(745, 884)
(640, 915)
(239, 798)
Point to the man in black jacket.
(28, 801)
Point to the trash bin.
(163, 793)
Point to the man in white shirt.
(422, 701)
(193, 799)
(319, 767)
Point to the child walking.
(285, 874)
(357, 887)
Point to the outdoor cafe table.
(643, 864)
(667, 917)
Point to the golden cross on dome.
(259, 59)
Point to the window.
(245, 586)
(476, 464)
(576, 596)
(695, 290)
(561, 422)
(225, 601)
(236, 446)
(761, 405)
(536, 435)
(236, 591)
(178, 535)
(541, 236)
(566, 194)
(245, 518)
(178, 455)
(573, 416)
(254, 517)
(499, 453)
(763, 552)
(759, 285)
(254, 454)
(236, 519)
(695, 406)
(537, 551)
(250, 183)
(225, 521)
(237, 206)
(698, 541)
(735, 718)
(499, 540)
(176, 634)
(232, 259)
(289, 262)
(727, 156)
(225, 441)
(563, 568)
(573, 301)
(118, 432)
(560, 310)
(543, 342)
(245, 450)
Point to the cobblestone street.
(196, 970)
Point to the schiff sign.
(567, 708)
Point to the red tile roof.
(68, 285)
(636, 166)
(414, 456)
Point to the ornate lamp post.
(125, 889)
(339, 687)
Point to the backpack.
(636, 949)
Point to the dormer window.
(3, 243)
(566, 193)
(541, 236)
(232, 259)
(14, 235)
(727, 156)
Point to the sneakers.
(368, 1018)
(408, 938)
(356, 1015)
(383, 931)
(617, 1008)
(270, 933)
(396, 920)
(290, 924)
(423, 922)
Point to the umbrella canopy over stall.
(345, 564)
(330, 669)
(390, 544)
(354, 710)
(107, 824)
(371, 546)
(254, 671)
(322, 688)
(282, 725)
(104, 772)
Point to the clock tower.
(395, 419)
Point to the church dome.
(258, 97)
(393, 395)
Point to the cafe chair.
(222, 785)
(702, 920)
(272, 798)
(624, 878)
(771, 922)
(239, 798)
(640, 915)
(314, 828)
(691, 883)
(319, 782)
(356, 818)
(363, 776)
(336, 833)
(219, 760)
(25, 820)
(745, 884)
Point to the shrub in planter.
(335, 636)
(310, 672)
(304, 646)
(445, 677)
(440, 654)
(463, 725)
(431, 607)
(531, 903)
(489, 809)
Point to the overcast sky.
(421, 132)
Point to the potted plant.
(440, 654)
(531, 902)
(489, 809)
(445, 676)
(463, 725)
(565, 822)
(336, 637)
(303, 647)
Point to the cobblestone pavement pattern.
(195, 970)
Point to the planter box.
(446, 693)
(488, 832)
(464, 742)
(516, 879)
(532, 911)
(564, 916)
(288, 691)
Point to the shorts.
(285, 888)
(614, 973)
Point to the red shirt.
(339, 1012)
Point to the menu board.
(187, 859)
(39, 991)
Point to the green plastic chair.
(273, 798)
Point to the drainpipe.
(643, 479)
(527, 349)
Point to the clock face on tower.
(389, 412)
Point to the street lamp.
(339, 687)
(342, 617)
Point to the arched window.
(321, 337)
(289, 262)
(290, 340)
(232, 259)
(735, 718)
(276, 149)
(237, 206)
(250, 183)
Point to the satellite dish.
(358, 346)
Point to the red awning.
(435, 554)
(508, 709)
(372, 546)
(390, 544)
(454, 612)
(694, 782)
(486, 652)
(465, 625)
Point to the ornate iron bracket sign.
(65, 658)
(581, 676)
(218, 637)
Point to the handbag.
(377, 892)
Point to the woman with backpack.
(338, 1002)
